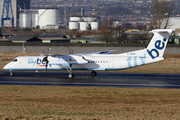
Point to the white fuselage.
(93, 62)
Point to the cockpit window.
(15, 60)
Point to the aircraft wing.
(66, 60)
(81, 54)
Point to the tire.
(93, 73)
(71, 75)
(11, 74)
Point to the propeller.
(45, 59)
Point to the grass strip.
(56, 102)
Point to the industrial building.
(15, 6)
(17, 13)
(30, 39)
(84, 22)
(174, 23)
(44, 18)
(48, 18)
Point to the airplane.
(97, 61)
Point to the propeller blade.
(45, 59)
(47, 64)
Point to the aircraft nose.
(6, 67)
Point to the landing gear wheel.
(11, 73)
(71, 75)
(69, 69)
(93, 73)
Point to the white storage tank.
(94, 25)
(34, 20)
(48, 17)
(83, 25)
(89, 19)
(25, 20)
(73, 25)
(75, 19)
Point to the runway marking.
(47, 75)
(105, 77)
(90, 84)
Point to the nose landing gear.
(11, 73)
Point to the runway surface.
(103, 79)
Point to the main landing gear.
(93, 73)
(71, 75)
(69, 69)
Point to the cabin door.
(24, 63)
(110, 62)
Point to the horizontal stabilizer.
(162, 31)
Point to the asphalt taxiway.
(103, 79)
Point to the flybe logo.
(134, 60)
(37, 62)
(159, 45)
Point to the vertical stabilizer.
(158, 43)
